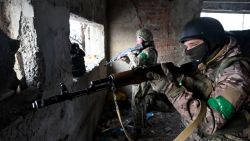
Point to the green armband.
(222, 105)
(143, 56)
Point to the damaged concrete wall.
(18, 24)
(42, 26)
(164, 18)
(8, 48)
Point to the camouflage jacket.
(231, 83)
(146, 57)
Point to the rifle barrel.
(121, 79)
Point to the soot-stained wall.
(42, 27)
(165, 18)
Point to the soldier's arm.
(227, 97)
(143, 57)
(135, 60)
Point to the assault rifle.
(124, 54)
(116, 80)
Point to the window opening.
(233, 14)
(90, 37)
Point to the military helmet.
(206, 28)
(144, 34)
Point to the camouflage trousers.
(138, 104)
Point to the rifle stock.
(121, 79)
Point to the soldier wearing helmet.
(219, 83)
(145, 37)
(208, 33)
(148, 55)
(142, 94)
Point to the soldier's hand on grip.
(160, 82)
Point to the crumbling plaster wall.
(42, 26)
(17, 22)
(164, 18)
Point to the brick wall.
(155, 16)
(164, 18)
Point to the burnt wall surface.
(42, 27)
(165, 18)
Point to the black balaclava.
(198, 53)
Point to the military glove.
(160, 82)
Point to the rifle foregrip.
(65, 96)
(135, 76)
(52, 100)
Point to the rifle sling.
(193, 125)
(119, 117)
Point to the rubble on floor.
(161, 126)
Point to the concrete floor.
(161, 126)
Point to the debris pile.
(161, 126)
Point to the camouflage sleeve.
(228, 96)
(146, 57)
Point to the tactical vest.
(204, 85)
